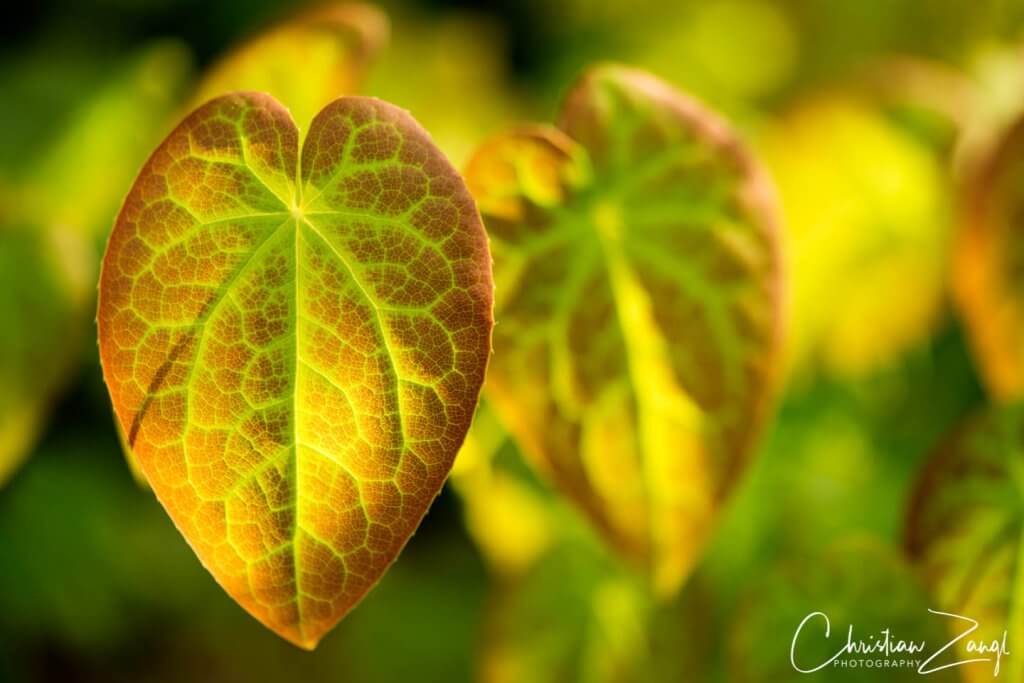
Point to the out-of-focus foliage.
(832, 447)
(55, 210)
(989, 265)
(562, 607)
(304, 62)
(448, 72)
(760, 60)
(114, 130)
(872, 114)
(570, 618)
(964, 531)
(867, 233)
(856, 582)
(45, 282)
(512, 522)
(638, 275)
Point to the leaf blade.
(964, 527)
(293, 431)
(614, 211)
(988, 267)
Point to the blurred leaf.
(50, 224)
(452, 57)
(989, 266)
(83, 552)
(113, 131)
(728, 51)
(572, 617)
(578, 615)
(964, 530)
(638, 278)
(45, 283)
(993, 105)
(561, 608)
(304, 62)
(868, 228)
(511, 522)
(296, 364)
(859, 583)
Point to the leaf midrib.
(291, 208)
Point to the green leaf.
(989, 266)
(132, 107)
(576, 614)
(50, 231)
(305, 62)
(638, 285)
(571, 617)
(965, 526)
(45, 278)
(294, 343)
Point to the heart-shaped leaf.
(294, 343)
(964, 531)
(638, 287)
(304, 62)
(989, 266)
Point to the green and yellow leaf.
(867, 234)
(988, 274)
(964, 532)
(294, 342)
(638, 277)
(510, 521)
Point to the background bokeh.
(866, 113)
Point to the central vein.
(296, 212)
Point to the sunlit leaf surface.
(989, 266)
(638, 279)
(294, 343)
(964, 531)
(305, 62)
